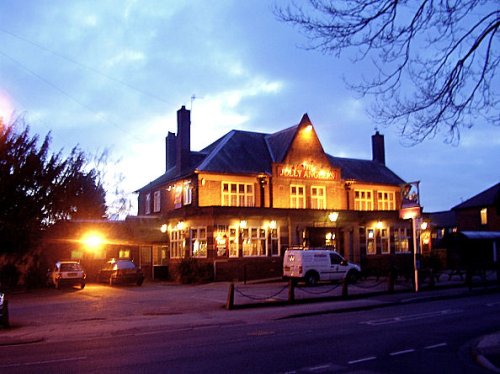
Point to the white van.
(314, 265)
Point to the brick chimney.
(183, 154)
(170, 150)
(378, 148)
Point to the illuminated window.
(199, 242)
(176, 244)
(318, 197)
(147, 208)
(297, 196)
(275, 242)
(254, 241)
(401, 240)
(385, 200)
(371, 249)
(124, 253)
(156, 201)
(484, 216)
(237, 194)
(363, 200)
(384, 241)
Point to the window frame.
(147, 203)
(363, 203)
(297, 200)
(201, 237)
(177, 244)
(156, 201)
(387, 202)
(318, 201)
(237, 194)
(401, 236)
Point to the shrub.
(191, 270)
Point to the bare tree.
(435, 60)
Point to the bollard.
(431, 278)
(230, 297)
(291, 291)
(5, 314)
(390, 283)
(393, 274)
(345, 292)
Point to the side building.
(237, 204)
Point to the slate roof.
(365, 171)
(489, 197)
(245, 152)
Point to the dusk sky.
(111, 74)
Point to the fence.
(291, 292)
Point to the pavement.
(99, 310)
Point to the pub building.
(241, 201)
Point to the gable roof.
(365, 171)
(279, 142)
(245, 152)
(489, 197)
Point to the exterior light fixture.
(333, 216)
(243, 224)
(308, 128)
(164, 228)
(181, 226)
(379, 225)
(272, 224)
(424, 225)
(93, 241)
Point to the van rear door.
(292, 264)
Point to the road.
(430, 337)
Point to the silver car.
(67, 273)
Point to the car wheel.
(312, 278)
(139, 281)
(82, 285)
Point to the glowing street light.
(93, 241)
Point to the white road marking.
(410, 317)
(411, 350)
(34, 363)
(362, 360)
(319, 367)
(436, 346)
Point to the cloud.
(125, 57)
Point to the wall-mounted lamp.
(243, 224)
(272, 225)
(333, 216)
(164, 228)
(379, 225)
(424, 225)
(181, 225)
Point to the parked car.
(67, 273)
(314, 265)
(121, 271)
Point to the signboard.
(306, 171)
(410, 194)
(410, 201)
